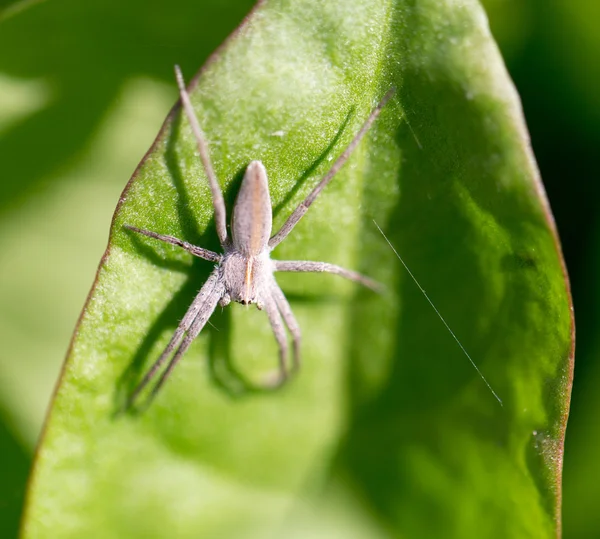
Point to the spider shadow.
(224, 374)
(310, 170)
(227, 376)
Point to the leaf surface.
(387, 431)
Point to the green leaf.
(9, 8)
(387, 430)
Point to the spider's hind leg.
(275, 319)
(291, 323)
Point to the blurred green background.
(82, 95)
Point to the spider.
(244, 272)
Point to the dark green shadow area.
(15, 462)
(85, 52)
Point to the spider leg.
(196, 251)
(276, 322)
(302, 208)
(217, 195)
(205, 312)
(325, 267)
(204, 302)
(290, 321)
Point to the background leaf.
(411, 417)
